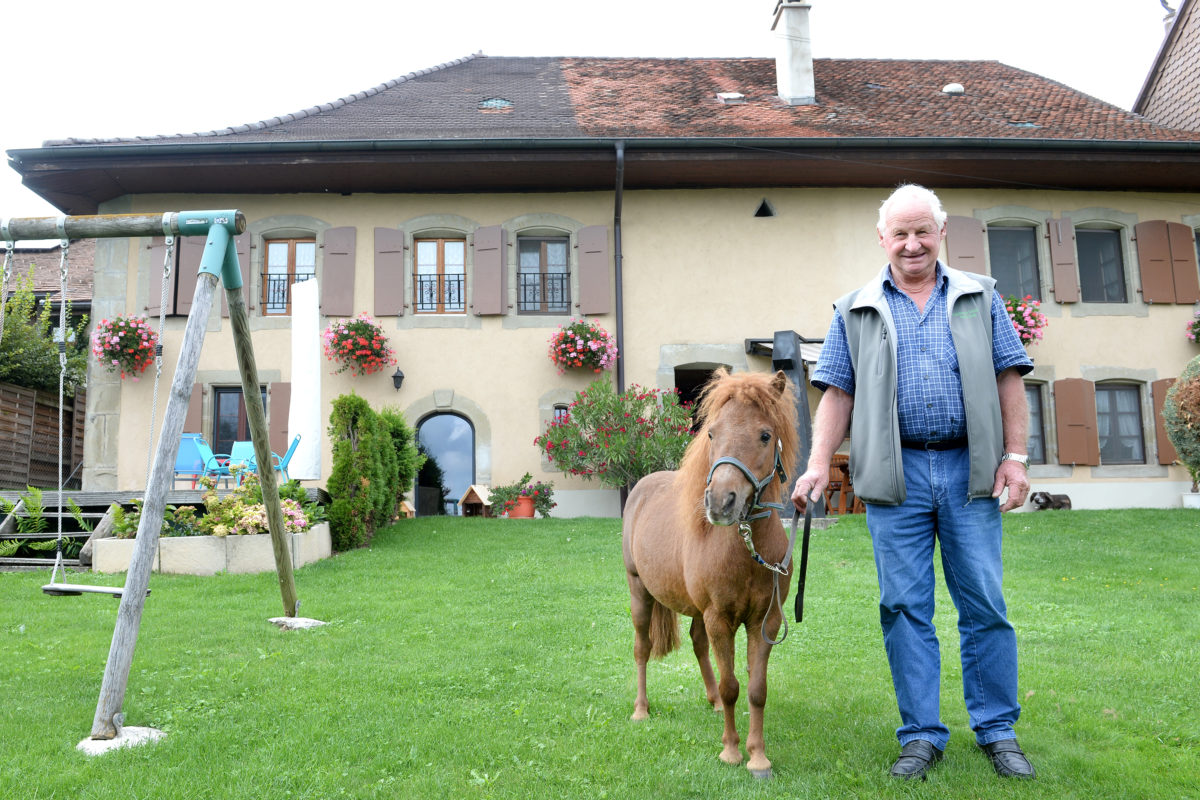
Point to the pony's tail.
(664, 630)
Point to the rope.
(62, 374)
(168, 260)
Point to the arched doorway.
(448, 441)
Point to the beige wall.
(701, 274)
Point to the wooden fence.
(29, 438)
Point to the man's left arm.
(1014, 414)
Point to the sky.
(139, 68)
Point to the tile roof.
(44, 263)
(481, 97)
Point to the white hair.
(906, 191)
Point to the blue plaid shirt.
(929, 387)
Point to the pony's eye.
(765, 437)
(710, 435)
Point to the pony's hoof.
(640, 715)
(733, 756)
(762, 774)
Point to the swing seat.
(76, 589)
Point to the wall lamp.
(397, 378)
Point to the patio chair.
(241, 459)
(280, 464)
(196, 459)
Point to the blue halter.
(759, 484)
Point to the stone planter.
(1191, 499)
(208, 555)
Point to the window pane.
(456, 252)
(1119, 424)
(449, 442)
(427, 260)
(277, 256)
(556, 256)
(306, 257)
(1037, 433)
(530, 255)
(1013, 253)
(1101, 267)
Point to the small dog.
(1044, 500)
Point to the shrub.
(408, 459)
(1181, 417)
(28, 352)
(618, 438)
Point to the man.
(923, 367)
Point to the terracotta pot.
(523, 508)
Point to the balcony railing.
(277, 290)
(439, 294)
(543, 293)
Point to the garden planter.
(208, 555)
(523, 509)
(1191, 499)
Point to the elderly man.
(923, 367)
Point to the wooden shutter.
(1075, 418)
(337, 275)
(389, 272)
(1183, 263)
(965, 245)
(191, 251)
(242, 245)
(1061, 234)
(595, 281)
(1158, 393)
(280, 398)
(195, 411)
(1154, 261)
(490, 272)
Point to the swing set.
(218, 264)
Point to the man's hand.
(1010, 475)
(809, 487)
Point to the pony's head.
(750, 417)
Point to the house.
(1171, 93)
(692, 206)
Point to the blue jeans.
(969, 534)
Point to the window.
(229, 417)
(1119, 424)
(448, 442)
(1101, 266)
(287, 261)
(543, 277)
(561, 412)
(1037, 430)
(1014, 261)
(438, 275)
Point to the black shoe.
(916, 758)
(1008, 759)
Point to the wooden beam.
(108, 226)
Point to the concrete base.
(128, 737)
(295, 623)
(208, 555)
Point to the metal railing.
(439, 294)
(277, 290)
(543, 293)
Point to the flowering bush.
(583, 344)
(1181, 418)
(618, 438)
(1192, 330)
(124, 344)
(504, 498)
(357, 345)
(1026, 318)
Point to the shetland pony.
(682, 558)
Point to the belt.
(944, 444)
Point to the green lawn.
(493, 658)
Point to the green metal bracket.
(197, 223)
(220, 257)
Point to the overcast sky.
(136, 68)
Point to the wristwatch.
(1020, 458)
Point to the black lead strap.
(803, 558)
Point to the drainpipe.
(617, 264)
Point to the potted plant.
(125, 344)
(523, 498)
(358, 345)
(1181, 418)
(583, 345)
(1192, 329)
(1026, 318)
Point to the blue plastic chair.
(280, 464)
(196, 459)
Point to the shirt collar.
(940, 277)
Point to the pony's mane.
(754, 388)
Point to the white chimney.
(793, 53)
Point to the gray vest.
(876, 466)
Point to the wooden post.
(107, 226)
(257, 418)
(129, 616)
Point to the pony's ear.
(780, 382)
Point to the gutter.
(617, 259)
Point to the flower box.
(208, 555)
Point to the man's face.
(912, 240)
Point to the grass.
(472, 658)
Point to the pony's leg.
(641, 606)
(758, 653)
(700, 648)
(721, 633)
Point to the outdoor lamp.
(397, 378)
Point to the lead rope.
(782, 569)
(168, 261)
(62, 374)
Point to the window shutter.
(1183, 263)
(1075, 418)
(595, 282)
(490, 278)
(280, 398)
(1154, 261)
(1061, 234)
(195, 411)
(242, 245)
(158, 251)
(191, 250)
(1166, 450)
(965, 245)
(337, 276)
(389, 272)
